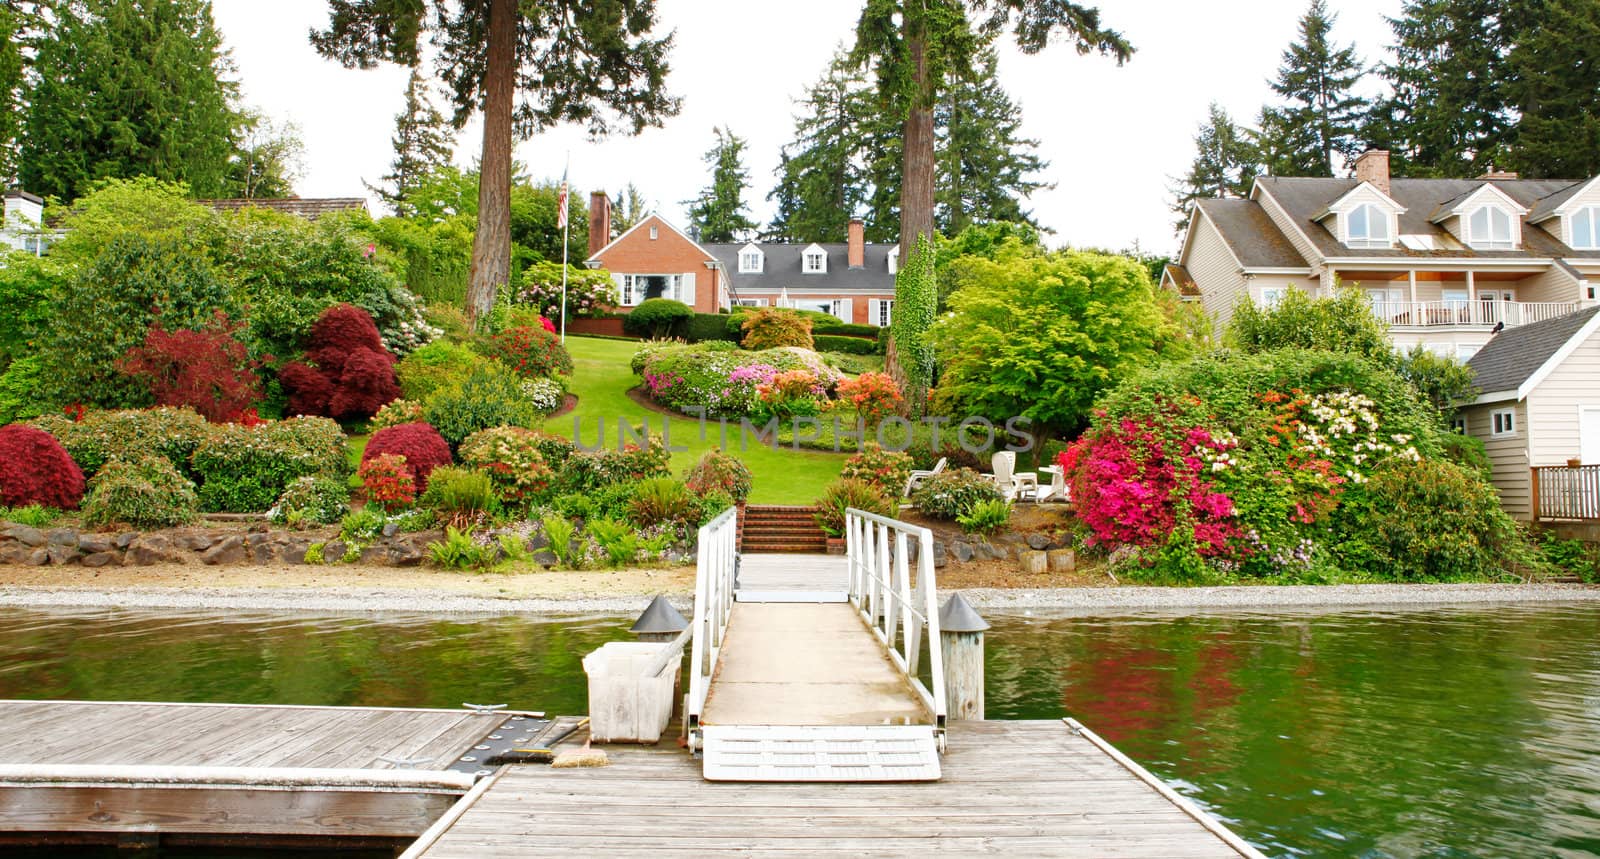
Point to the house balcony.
(1458, 313)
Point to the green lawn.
(601, 379)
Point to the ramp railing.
(713, 603)
(901, 610)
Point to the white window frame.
(885, 313)
(1491, 242)
(1373, 213)
(752, 262)
(894, 259)
(654, 233)
(750, 302)
(1592, 240)
(1458, 424)
(814, 262)
(1271, 296)
(1503, 423)
(631, 282)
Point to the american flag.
(561, 202)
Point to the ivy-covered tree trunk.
(491, 245)
(916, 226)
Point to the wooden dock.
(1034, 788)
(93, 771)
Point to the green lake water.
(1449, 732)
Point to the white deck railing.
(1458, 312)
(902, 613)
(713, 603)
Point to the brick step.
(787, 528)
(780, 515)
(757, 509)
(784, 548)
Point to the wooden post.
(1534, 492)
(961, 646)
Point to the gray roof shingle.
(782, 268)
(1514, 355)
(1250, 232)
(1304, 198)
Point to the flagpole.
(566, 230)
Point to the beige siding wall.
(1554, 405)
(1552, 285)
(1508, 455)
(1287, 226)
(1213, 267)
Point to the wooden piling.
(961, 643)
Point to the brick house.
(654, 259)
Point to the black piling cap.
(658, 617)
(959, 616)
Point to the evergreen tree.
(1321, 114)
(421, 145)
(630, 208)
(13, 62)
(268, 158)
(132, 87)
(1449, 113)
(985, 165)
(1555, 87)
(820, 177)
(718, 214)
(1225, 164)
(526, 66)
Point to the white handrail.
(1458, 312)
(713, 603)
(881, 589)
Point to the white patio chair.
(1012, 484)
(917, 478)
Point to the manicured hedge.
(849, 345)
(706, 326)
(847, 329)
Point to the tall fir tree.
(13, 66)
(1225, 164)
(129, 87)
(421, 144)
(525, 67)
(630, 207)
(821, 182)
(1317, 126)
(986, 166)
(719, 214)
(1449, 112)
(1555, 89)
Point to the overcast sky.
(1113, 136)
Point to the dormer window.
(1489, 228)
(814, 260)
(751, 260)
(1367, 226)
(894, 259)
(1586, 228)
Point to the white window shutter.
(686, 289)
(873, 313)
(622, 292)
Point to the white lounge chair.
(1012, 484)
(917, 478)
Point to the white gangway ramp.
(806, 667)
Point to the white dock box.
(624, 705)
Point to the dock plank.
(1069, 798)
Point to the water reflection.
(1443, 733)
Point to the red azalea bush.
(386, 480)
(420, 444)
(208, 370)
(718, 472)
(532, 352)
(546, 324)
(348, 374)
(35, 469)
(874, 396)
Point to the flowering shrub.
(145, 493)
(35, 469)
(954, 493)
(170, 433)
(590, 293)
(874, 396)
(885, 470)
(208, 369)
(545, 395)
(350, 374)
(408, 330)
(387, 481)
(729, 383)
(531, 352)
(311, 500)
(719, 472)
(791, 393)
(397, 412)
(770, 327)
(419, 444)
(245, 469)
(587, 471)
(511, 458)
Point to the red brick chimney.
(599, 221)
(1373, 166)
(858, 246)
